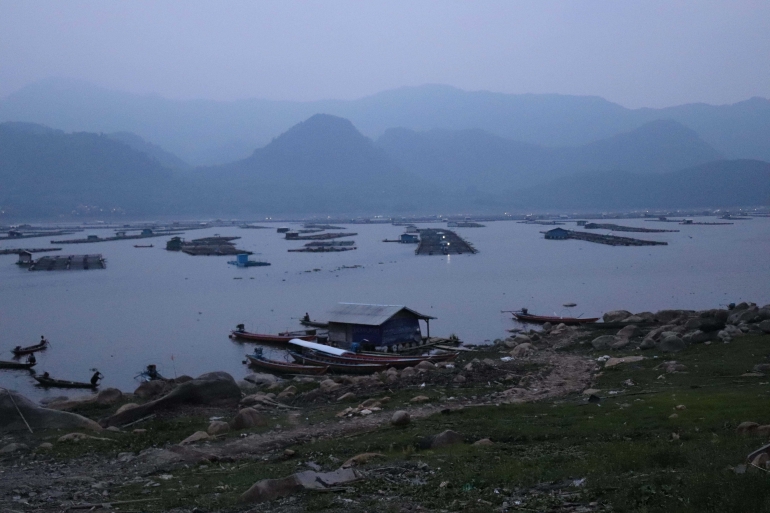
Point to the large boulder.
(765, 326)
(629, 332)
(108, 397)
(698, 337)
(673, 316)
(400, 418)
(260, 378)
(446, 438)
(152, 389)
(213, 388)
(671, 344)
(604, 342)
(616, 315)
(523, 350)
(37, 417)
(248, 418)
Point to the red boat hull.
(270, 339)
(285, 368)
(542, 319)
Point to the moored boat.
(343, 368)
(16, 365)
(284, 367)
(282, 338)
(391, 361)
(524, 316)
(18, 351)
(63, 383)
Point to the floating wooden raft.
(68, 263)
(442, 242)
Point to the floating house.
(25, 258)
(557, 234)
(409, 238)
(373, 326)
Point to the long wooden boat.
(343, 368)
(285, 367)
(62, 383)
(390, 361)
(542, 319)
(270, 339)
(29, 349)
(16, 365)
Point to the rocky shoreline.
(88, 451)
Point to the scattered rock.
(459, 379)
(604, 342)
(259, 378)
(765, 326)
(269, 489)
(484, 441)
(647, 343)
(329, 385)
(591, 391)
(108, 397)
(763, 430)
(612, 362)
(523, 350)
(446, 438)
(681, 407)
(616, 315)
(248, 418)
(152, 389)
(400, 418)
(218, 427)
(139, 431)
(746, 428)
(408, 372)
(671, 344)
(361, 459)
(45, 446)
(287, 392)
(419, 399)
(630, 331)
(14, 447)
(125, 407)
(426, 365)
(350, 396)
(114, 429)
(198, 436)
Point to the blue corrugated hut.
(375, 325)
(557, 234)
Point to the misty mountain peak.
(318, 131)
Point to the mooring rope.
(18, 410)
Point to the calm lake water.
(175, 310)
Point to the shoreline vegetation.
(654, 412)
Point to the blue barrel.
(242, 258)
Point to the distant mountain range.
(204, 132)
(725, 183)
(324, 165)
(479, 161)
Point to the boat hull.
(390, 361)
(342, 368)
(270, 339)
(16, 365)
(542, 319)
(60, 383)
(285, 368)
(29, 349)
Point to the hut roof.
(368, 315)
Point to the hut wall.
(400, 328)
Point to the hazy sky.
(637, 53)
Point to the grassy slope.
(623, 447)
